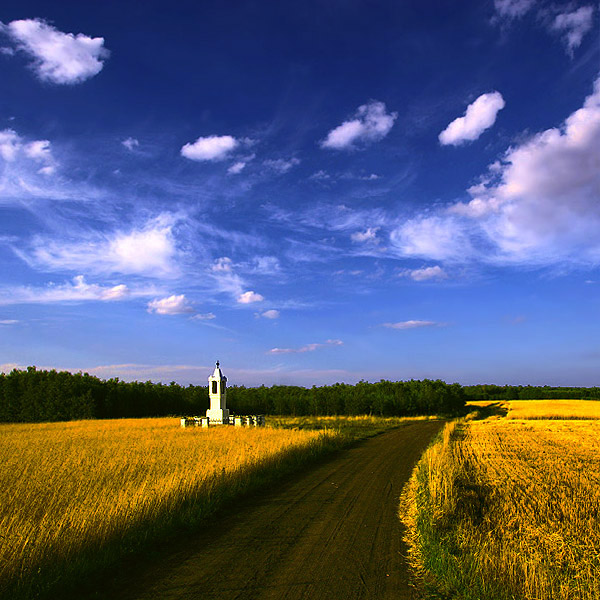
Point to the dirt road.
(329, 533)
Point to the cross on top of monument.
(217, 363)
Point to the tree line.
(38, 395)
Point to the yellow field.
(553, 409)
(510, 508)
(71, 487)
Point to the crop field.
(75, 495)
(553, 409)
(509, 508)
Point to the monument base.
(218, 415)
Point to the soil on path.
(331, 532)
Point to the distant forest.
(37, 395)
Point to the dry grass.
(553, 409)
(70, 490)
(508, 509)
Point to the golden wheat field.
(79, 486)
(515, 504)
(553, 409)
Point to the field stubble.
(507, 509)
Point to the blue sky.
(310, 192)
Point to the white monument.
(217, 392)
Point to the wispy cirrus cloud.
(411, 324)
(76, 290)
(371, 123)
(61, 58)
(306, 348)
(573, 26)
(281, 165)
(479, 116)
(149, 250)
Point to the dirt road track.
(329, 533)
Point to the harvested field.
(510, 509)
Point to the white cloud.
(39, 150)
(130, 143)
(59, 57)
(172, 305)
(270, 314)
(432, 237)
(10, 144)
(281, 165)
(222, 265)
(249, 297)
(370, 235)
(320, 175)
(8, 321)
(574, 25)
(307, 348)
(204, 317)
(479, 116)
(513, 8)
(265, 265)
(540, 205)
(425, 273)
(412, 324)
(236, 168)
(213, 147)
(77, 290)
(149, 250)
(18, 175)
(371, 123)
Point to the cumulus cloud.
(214, 147)
(479, 116)
(281, 165)
(371, 123)
(412, 324)
(270, 314)
(370, 235)
(307, 348)
(172, 305)
(573, 26)
(249, 297)
(76, 290)
(425, 273)
(62, 58)
(130, 143)
(149, 250)
(540, 204)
